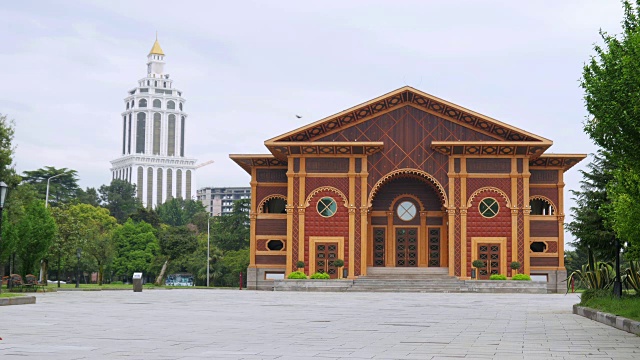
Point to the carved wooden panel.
(341, 184)
(271, 227)
(407, 133)
(544, 261)
(406, 242)
(551, 193)
(264, 191)
(543, 228)
(271, 259)
(503, 184)
(327, 165)
(379, 241)
(489, 166)
(271, 175)
(427, 195)
(326, 255)
(434, 247)
(543, 177)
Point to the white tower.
(153, 138)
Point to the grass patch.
(628, 306)
(9, 295)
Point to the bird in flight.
(299, 117)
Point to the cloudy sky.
(247, 68)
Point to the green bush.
(478, 264)
(338, 263)
(521, 277)
(320, 276)
(298, 275)
(497, 277)
(594, 294)
(300, 264)
(515, 265)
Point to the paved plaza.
(231, 324)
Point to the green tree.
(147, 215)
(233, 263)
(231, 231)
(590, 225)
(7, 131)
(136, 248)
(96, 227)
(62, 189)
(179, 212)
(71, 235)
(15, 209)
(89, 196)
(611, 81)
(35, 232)
(120, 198)
(175, 242)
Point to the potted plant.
(477, 264)
(515, 265)
(300, 265)
(340, 263)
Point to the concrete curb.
(617, 322)
(18, 300)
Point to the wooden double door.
(405, 246)
(490, 255)
(326, 254)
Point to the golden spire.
(156, 49)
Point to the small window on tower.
(143, 103)
(155, 83)
(165, 84)
(180, 106)
(171, 105)
(157, 104)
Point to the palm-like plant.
(631, 277)
(594, 274)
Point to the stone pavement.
(231, 324)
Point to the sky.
(247, 68)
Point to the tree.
(120, 198)
(147, 215)
(136, 248)
(96, 226)
(175, 242)
(89, 196)
(233, 263)
(16, 203)
(590, 226)
(179, 212)
(35, 232)
(7, 174)
(71, 234)
(611, 81)
(231, 231)
(62, 189)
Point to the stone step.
(397, 271)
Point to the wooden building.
(407, 180)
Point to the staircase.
(390, 279)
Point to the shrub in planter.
(515, 265)
(478, 264)
(338, 263)
(524, 277)
(300, 264)
(497, 277)
(297, 275)
(320, 276)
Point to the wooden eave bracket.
(282, 150)
(531, 149)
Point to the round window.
(489, 207)
(327, 207)
(406, 211)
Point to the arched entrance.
(407, 221)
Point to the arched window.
(155, 83)
(139, 183)
(159, 186)
(187, 175)
(127, 105)
(142, 103)
(156, 133)
(541, 207)
(124, 133)
(140, 128)
(171, 137)
(129, 136)
(179, 184)
(133, 103)
(169, 185)
(148, 82)
(180, 106)
(274, 206)
(157, 103)
(171, 105)
(149, 188)
(165, 84)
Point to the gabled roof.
(411, 97)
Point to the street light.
(46, 198)
(78, 254)
(3, 194)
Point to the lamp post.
(46, 198)
(617, 284)
(3, 194)
(78, 254)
